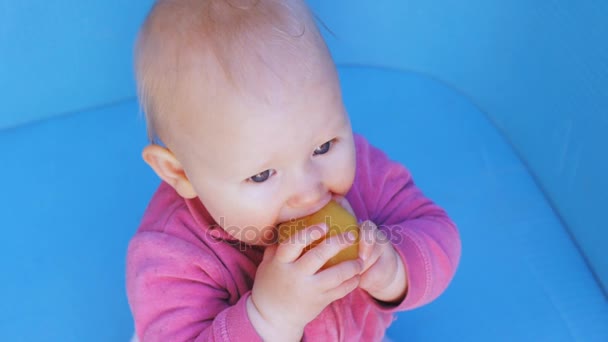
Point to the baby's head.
(245, 97)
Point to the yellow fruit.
(338, 220)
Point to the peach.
(338, 220)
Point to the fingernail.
(364, 256)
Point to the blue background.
(498, 108)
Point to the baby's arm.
(421, 232)
(178, 293)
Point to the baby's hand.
(289, 291)
(383, 275)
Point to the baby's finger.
(369, 278)
(291, 248)
(270, 251)
(343, 289)
(336, 275)
(367, 240)
(315, 258)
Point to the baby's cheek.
(346, 181)
(345, 173)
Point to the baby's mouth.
(313, 209)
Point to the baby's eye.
(261, 177)
(323, 148)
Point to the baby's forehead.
(238, 35)
(242, 135)
(219, 40)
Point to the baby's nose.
(308, 188)
(307, 198)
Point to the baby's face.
(255, 163)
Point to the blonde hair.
(235, 35)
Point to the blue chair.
(498, 109)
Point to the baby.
(245, 98)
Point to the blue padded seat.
(76, 187)
(521, 278)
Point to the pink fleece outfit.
(188, 280)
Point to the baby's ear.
(169, 169)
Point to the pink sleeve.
(421, 232)
(176, 293)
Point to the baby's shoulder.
(170, 238)
(170, 218)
